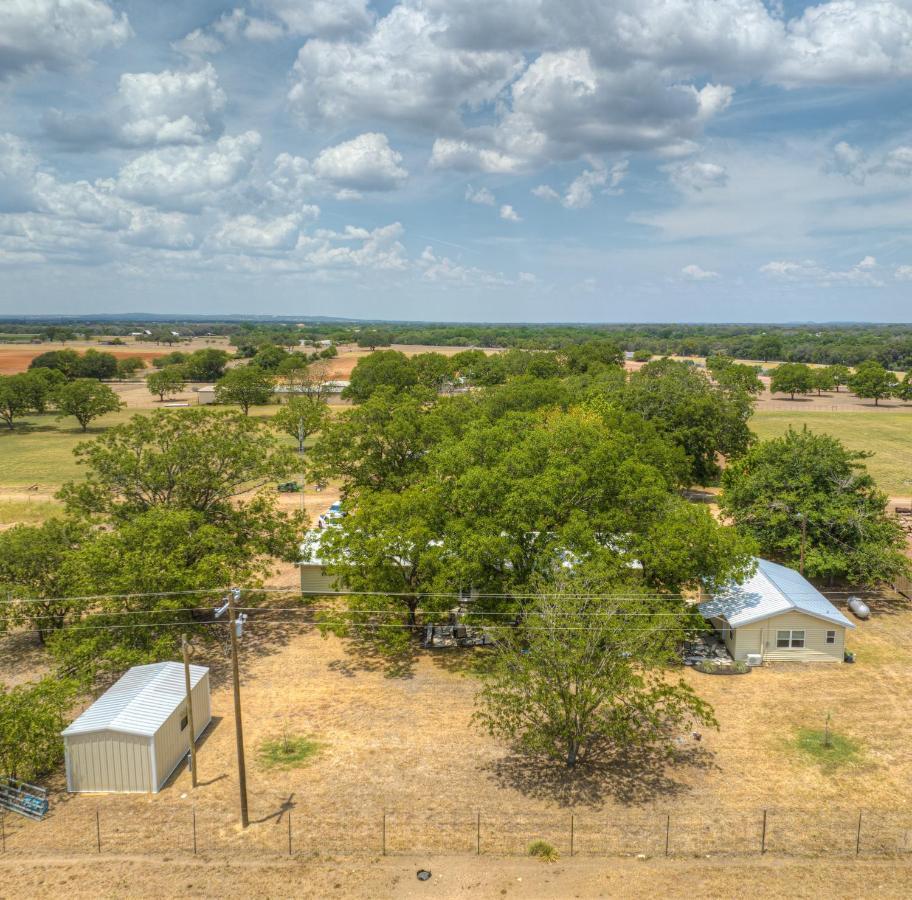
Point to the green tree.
(642, 355)
(767, 347)
(382, 369)
(269, 357)
(822, 379)
(86, 399)
(95, 364)
(183, 458)
(872, 380)
(585, 676)
(176, 559)
(372, 339)
(64, 361)
(301, 417)
(433, 370)
(805, 496)
(589, 354)
(792, 378)
(21, 395)
(166, 382)
(840, 375)
(734, 376)
(207, 364)
(31, 719)
(704, 419)
(245, 386)
(904, 388)
(35, 574)
(128, 366)
(379, 444)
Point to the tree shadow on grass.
(633, 776)
(364, 655)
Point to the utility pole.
(235, 625)
(185, 647)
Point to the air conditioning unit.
(754, 659)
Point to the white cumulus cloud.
(508, 214)
(693, 272)
(365, 163)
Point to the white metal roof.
(140, 701)
(771, 590)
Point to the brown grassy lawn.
(407, 745)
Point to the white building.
(777, 615)
(135, 735)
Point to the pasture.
(886, 433)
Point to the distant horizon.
(348, 320)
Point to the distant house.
(778, 615)
(205, 395)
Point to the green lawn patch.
(287, 752)
(833, 751)
(28, 512)
(885, 433)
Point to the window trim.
(831, 636)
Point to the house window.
(184, 721)
(831, 637)
(790, 638)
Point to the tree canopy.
(381, 369)
(807, 490)
(872, 380)
(86, 400)
(245, 386)
(792, 378)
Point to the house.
(777, 615)
(136, 733)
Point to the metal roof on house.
(771, 590)
(140, 702)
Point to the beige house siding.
(171, 743)
(108, 761)
(760, 637)
(314, 580)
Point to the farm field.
(885, 433)
(404, 743)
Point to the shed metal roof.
(140, 702)
(771, 590)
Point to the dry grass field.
(403, 744)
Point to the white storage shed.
(135, 735)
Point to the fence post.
(3, 829)
(478, 833)
(667, 831)
(194, 831)
(858, 835)
(98, 829)
(384, 832)
(572, 823)
(763, 835)
(289, 832)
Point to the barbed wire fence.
(285, 828)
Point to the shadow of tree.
(632, 776)
(365, 655)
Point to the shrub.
(287, 752)
(544, 851)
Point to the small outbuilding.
(777, 615)
(314, 579)
(135, 735)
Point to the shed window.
(184, 721)
(831, 637)
(790, 638)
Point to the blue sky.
(534, 160)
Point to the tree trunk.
(572, 753)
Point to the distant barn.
(135, 735)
